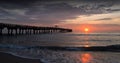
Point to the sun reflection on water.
(87, 44)
(86, 57)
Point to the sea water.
(17, 45)
(63, 39)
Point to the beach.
(47, 54)
(8, 58)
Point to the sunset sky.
(97, 15)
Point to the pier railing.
(26, 29)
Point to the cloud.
(103, 19)
(113, 10)
(52, 11)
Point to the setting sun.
(86, 29)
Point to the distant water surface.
(63, 39)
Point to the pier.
(27, 29)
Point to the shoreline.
(9, 58)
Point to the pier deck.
(27, 29)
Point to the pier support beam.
(20, 31)
(8, 31)
(26, 31)
(0, 31)
(16, 31)
(30, 31)
(11, 30)
(33, 31)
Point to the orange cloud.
(94, 27)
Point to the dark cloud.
(113, 10)
(104, 19)
(52, 11)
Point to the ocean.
(28, 46)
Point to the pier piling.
(25, 29)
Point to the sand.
(8, 58)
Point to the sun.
(86, 29)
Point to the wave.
(94, 34)
(113, 48)
(12, 46)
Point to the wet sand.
(8, 58)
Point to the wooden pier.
(26, 29)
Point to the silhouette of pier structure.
(26, 29)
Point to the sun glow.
(86, 29)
